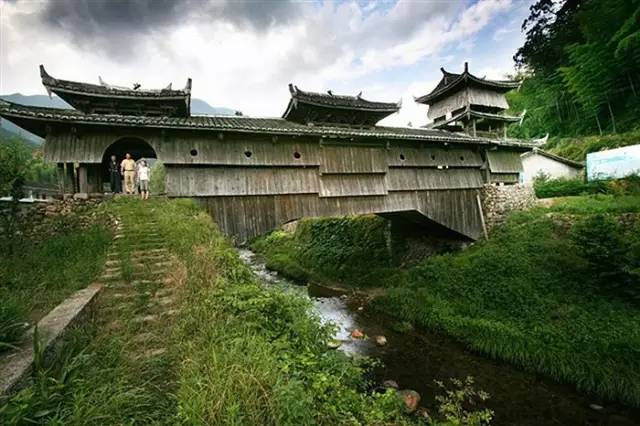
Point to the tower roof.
(452, 82)
(107, 99)
(311, 107)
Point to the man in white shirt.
(143, 179)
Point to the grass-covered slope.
(238, 353)
(349, 250)
(555, 290)
(37, 274)
(577, 148)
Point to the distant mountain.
(198, 106)
(6, 136)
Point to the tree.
(15, 161)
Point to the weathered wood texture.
(467, 96)
(253, 183)
(217, 181)
(504, 161)
(352, 159)
(247, 217)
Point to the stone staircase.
(141, 293)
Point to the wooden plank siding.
(289, 177)
(235, 151)
(247, 217)
(432, 157)
(352, 159)
(403, 179)
(352, 185)
(217, 181)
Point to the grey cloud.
(115, 25)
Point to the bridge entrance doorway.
(136, 147)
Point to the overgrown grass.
(40, 274)
(239, 353)
(535, 295)
(577, 148)
(349, 250)
(563, 187)
(255, 355)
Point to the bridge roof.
(311, 107)
(36, 120)
(452, 82)
(104, 98)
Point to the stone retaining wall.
(498, 201)
(39, 218)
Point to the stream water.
(415, 359)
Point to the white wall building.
(536, 161)
(613, 163)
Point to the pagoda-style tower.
(322, 109)
(106, 99)
(464, 102)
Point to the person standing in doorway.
(114, 175)
(143, 179)
(128, 169)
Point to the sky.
(243, 54)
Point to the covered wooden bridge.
(325, 157)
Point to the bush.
(611, 253)
(349, 250)
(157, 180)
(563, 187)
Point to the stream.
(416, 358)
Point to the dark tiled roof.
(451, 81)
(563, 160)
(341, 101)
(276, 126)
(57, 85)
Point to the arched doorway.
(137, 147)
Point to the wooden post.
(60, 177)
(83, 183)
(69, 179)
(484, 225)
(93, 176)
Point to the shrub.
(157, 180)
(612, 255)
(563, 187)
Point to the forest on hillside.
(581, 68)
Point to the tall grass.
(40, 274)
(255, 355)
(533, 295)
(239, 353)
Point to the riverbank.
(201, 341)
(539, 294)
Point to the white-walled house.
(553, 166)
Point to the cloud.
(116, 26)
(242, 54)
